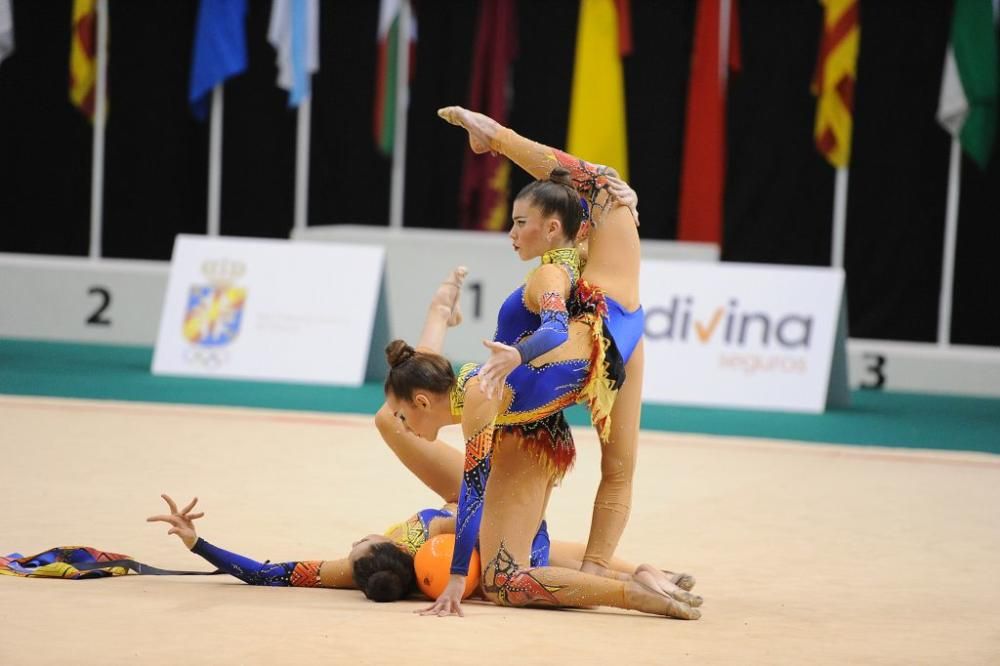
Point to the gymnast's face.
(533, 234)
(361, 548)
(418, 416)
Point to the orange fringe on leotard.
(549, 441)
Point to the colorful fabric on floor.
(79, 563)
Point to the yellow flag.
(597, 106)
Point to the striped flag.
(220, 50)
(969, 84)
(83, 57)
(294, 34)
(6, 30)
(833, 81)
(385, 84)
(486, 178)
(597, 104)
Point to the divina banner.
(744, 335)
(269, 309)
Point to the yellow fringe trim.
(598, 392)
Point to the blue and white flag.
(294, 34)
(220, 49)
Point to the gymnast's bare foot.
(682, 580)
(447, 295)
(639, 598)
(659, 582)
(480, 128)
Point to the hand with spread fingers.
(181, 522)
(502, 361)
(450, 601)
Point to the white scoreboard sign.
(269, 309)
(744, 335)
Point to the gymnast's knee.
(519, 587)
(493, 596)
(616, 480)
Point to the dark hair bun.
(384, 586)
(561, 176)
(398, 352)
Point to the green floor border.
(91, 371)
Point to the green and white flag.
(386, 84)
(970, 85)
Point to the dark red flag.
(486, 178)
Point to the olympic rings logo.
(210, 359)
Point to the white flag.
(953, 106)
(294, 33)
(6, 30)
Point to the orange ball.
(432, 564)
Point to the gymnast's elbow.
(385, 420)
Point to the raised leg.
(486, 134)
(443, 312)
(613, 248)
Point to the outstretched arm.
(310, 573)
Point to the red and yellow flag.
(833, 82)
(83, 57)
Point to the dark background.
(779, 191)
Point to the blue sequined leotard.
(414, 532)
(538, 396)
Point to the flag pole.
(950, 242)
(396, 190)
(215, 162)
(303, 131)
(839, 218)
(725, 11)
(100, 115)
